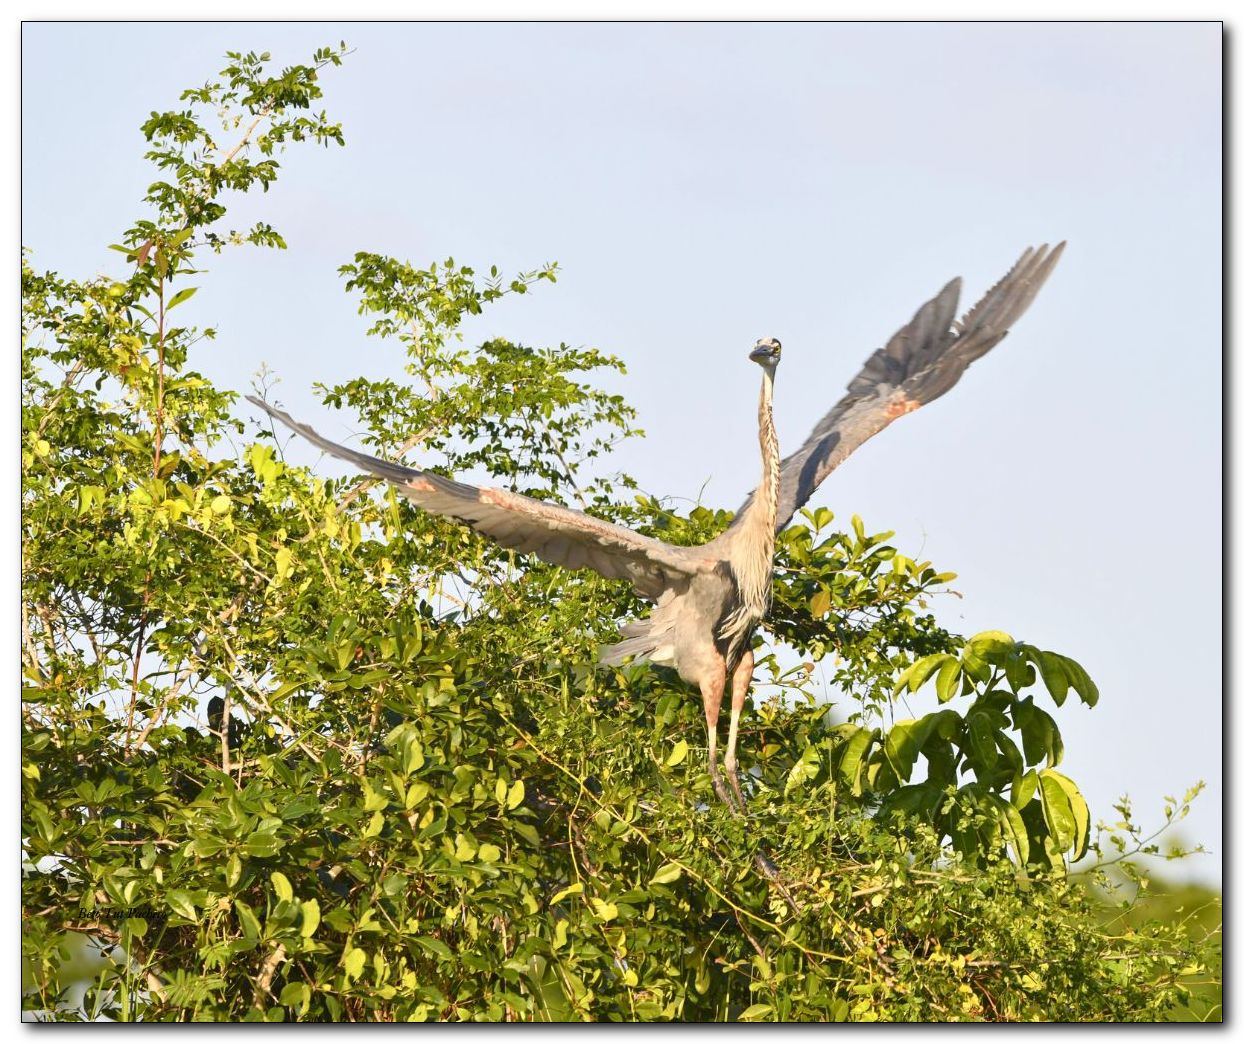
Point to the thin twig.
(263, 984)
(260, 705)
(70, 378)
(169, 696)
(225, 547)
(138, 659)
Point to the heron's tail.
(646, 640)
(614, 655)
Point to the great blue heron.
(710, 599)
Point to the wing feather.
(559, 535)
(921, 362)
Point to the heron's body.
(709, 600)
(712, 615)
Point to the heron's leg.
(712, 688)
(740, 683)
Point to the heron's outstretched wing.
(923, 361)
(554, 533)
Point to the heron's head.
(767, 352)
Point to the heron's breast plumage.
(752, 573)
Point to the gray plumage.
(710, 599)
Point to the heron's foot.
(733, 775)
(719, 786)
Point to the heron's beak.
(760, 353)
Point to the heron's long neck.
(751, 549)
(762, 512)
(770, 459)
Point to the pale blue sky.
(704, 185)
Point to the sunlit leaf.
(180, 296)
(310, 910)
(604, 910)
(678, 754)
(180, 903)
(668, 874)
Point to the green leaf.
(1065, 804)
(247, 919)
(295, 995)
(907, 738)
(819, 604)
(668, 874)
(1080, 681)
(354, 962)
(180, 903)
(902, 747)
(412, 755)
(310, 910)
(994, 645)
(516, 795)
(262, 844)
(1013, 829)
(916, 798)
(1009, 755)
(87, 496)
(1052, 673)
(986, 650)
(920, 671)
(1019, 673)
(1056, 807)
(852, 762)
(435, 946)
(573, 889)
(280, 884)
(221, 505)
(1039, 733)
(489, 853)
(805, 768)
(947, 679)
(604, 910)
(1024, 788)
(975, 665)
(181, 295)
(678, 754)
(47, 829)
(374, 825)
(981, 741)
(756, 1012)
